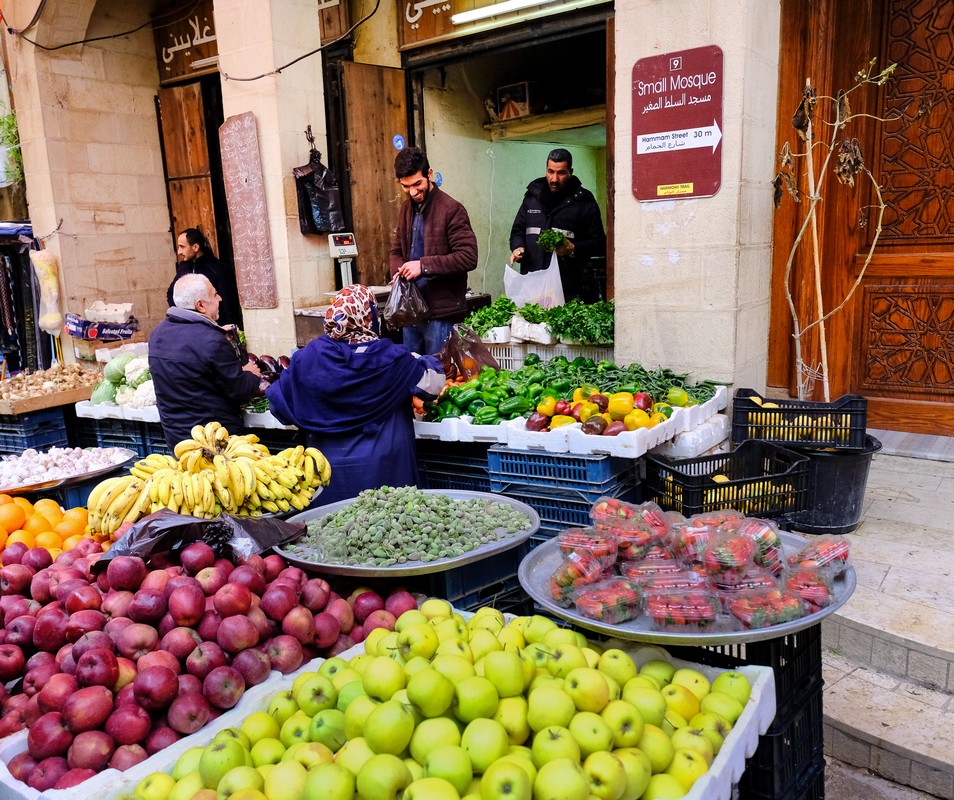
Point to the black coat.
(222, 280)
(197, 374)
(575, 213)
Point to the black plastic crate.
(154, 439)
(112, 433)
(585, 473)
(459, 582)
(757, 478)
(39, 430)
(454, 481)
(800, 423)
(489, 595)
(564, 508)
(452, 457)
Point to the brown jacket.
(450, 252)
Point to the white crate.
(698, 440)
(266, 419)
(538, 333)
(555, 441)
(499, 335)
(147, 414)
(546, 352)
(468, 432)
(445, 430)
(509, 356)
(88, 410)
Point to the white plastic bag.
(542, 287)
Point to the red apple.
(300, 623)
(148, 606)
(57, 691)
(49, 633)
(315, 594)
(232, 599)
(36, 558)
(136, 640)
(206, 657)
(12, 721)
(263, 624)
(209, 625)
(91, 750)
(400, 601)
(66, 661)
(285, 653)
(327, 629)
(178, 581)
(21, 765)
(40, 586)
(17, 605)
(88, 708)
(125, 696)
(47, 773)
(188, 713)
(190, 683)
(20, 631)
(126, 756)
(159, 658)
(180, 642)
(97, 667)
(278, 600)
(236, 633)
(62, 589)
(127, 673)
(74, 777)
(13, 553)
(341, 609)
(255, 561)
(379, 619)
(211, 579)
(166, 624)
(49, 736)
(196, 557)
(40, 658)
(249, 577)
(116, 604)
(92, 641)
(187, 605)
(126, 572)
(83, 622)
(36, 679)
(129, 724)
(15, 579)
(365, 604)
(115, 626)
(297, 575)
(156, 579)
(84, 597)
(88, 546)
(32, 711)
(254, 666)
(223, 687)
(12, 662)
(357, 634)
(160, 738)
(274, 564)
(155, 687)
(344, 642)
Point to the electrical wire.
(303, 56)
(34, 21)
(490, 206)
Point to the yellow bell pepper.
(627, 395)
(547, 406)
(619, 407)
(582, 393)
(656, 418)
(587, 410)
(560, 420)
(637, 418)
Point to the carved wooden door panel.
(894, 341)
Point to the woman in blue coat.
(350, 392)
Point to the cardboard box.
(96, 350)
(520, 100)
(81, 328)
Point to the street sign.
(677, 125)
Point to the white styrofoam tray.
(555, 441)
(88, 410)
(445, 430)
(147, 414)
(266, 419)
(468, 432)
(696, 441)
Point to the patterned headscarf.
(353, 315)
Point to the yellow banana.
(297, 502)
(283, 505)
(263, 471)
(140, 473)
(308, 467)
(186, 446)
(108, 498)
(99, 489)
(236, 483)
(118, 509)
(268, 505)
(188, 496)
(221, 465)
(286, 478)
(326, 473)
(175, 490)
(224, 495)
(209, 431)
(263, 491)
(253, 501)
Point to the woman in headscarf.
(350, 392)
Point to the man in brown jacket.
(433, 245)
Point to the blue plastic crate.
(11, 443)
(468, 457)
(561, 509)
(460, 582)
(587, 473)
(39, 430)
(154, 439)
(116, 433)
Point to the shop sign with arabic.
(186, 48)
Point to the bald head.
(196, 293)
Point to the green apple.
(345, 676)
(187, 786)
(687, 766)
(688, 738)
(541, 656)
(260, 725)
(520, 623)
(561, 779)
(657, 745)
(431, 734)
(722, 704)
(430, 692)
(536, 628)
(383, 677)
(506, 780)
(389, 727)
(546, 679)
(241, 794)
(474, 698)
(416, 770)
(349, 692)
(267, 751)
(512, 714)
(237, 779)
(618, 665)
(402, 697)
(644, 682)
(681, 700)
(592, 657)
(263, 768)
(511, 639)
(481, 642)
(587, 688)
(455, 647)
(415, 664)
(486, 622)
(493, 613)
(694, 681)
(332, 666)
(435, 608)
(219, 757)
(450, 629)
(525, 762)
(505, 671)
(311, 754)
(372, 642)
(353, 754)
(624, 721)
(715, 727)
(329, 782)
(529, 667)
(606, 774)
(431, 789)
(548, 706)
(357, 715)
(661, 671)
(663, 787)
(413, 616)
(591, 732)
(328, 728)
(233, 733)
(315, 694)
(564, 659)
(282, 706)
(300, 678)
(734, 684)
(615, 690)
(554, 742)
(672, 722)
(638, 771)
(286, 781)
(187, 762)
(383, 777)
(484, 741)
(555, 637)
(295, 729)
(418, 640)
(451, 763)
(360, 662)
(155, 786)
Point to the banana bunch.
(210, 474)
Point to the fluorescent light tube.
(495, 10)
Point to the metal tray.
(72, 480)
(414, 567)
(535, 571)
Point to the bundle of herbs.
(586, 323)
(497, 314)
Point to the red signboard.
(677, 125)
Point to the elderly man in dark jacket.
(198, 374)
(434, 245)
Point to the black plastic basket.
(112, 433)
(466, 457)
(39, 430)
(800, 423)
(757, 478)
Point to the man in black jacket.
(558, 201)
(198, 374)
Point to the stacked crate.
(39, 430)
(112, 433)
(453, 466)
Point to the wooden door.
(894, 341)
(375, 110)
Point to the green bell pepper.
(492, 396)
(486, 416)
(581, 361)
(447, 410)
(465, 397)
(513, 407)
(531, 359)
(475, 406)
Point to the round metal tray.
(414, 567)
(61, 483)
(536, 569)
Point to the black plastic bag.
(234, 538)
(463, 354)
(319, 200)
(406, 305)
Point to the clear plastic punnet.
(612, 601)
(824, 551)
(656, 517)
(637, 541)
(690, 539)
(763, 608)
(601, 544)
(728, 557)
(684, 610)
(757, 578)
(768, 543)
(577, 569)
(815, 585)
(612, 514)
(663, 580)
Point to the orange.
(79, 513)
(54, 552)
(21, 536)
(25, 504)
(4, 499)
(48, 539)
(69, 527)
(71, 541)
(49, 509)
(37, 524)
(3, 538)
(12, 517)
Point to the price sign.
(677, 125)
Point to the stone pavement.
(889, 651)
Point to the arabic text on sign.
(203, 34)
(674, 189)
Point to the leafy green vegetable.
(257, 405)
(587, 324)
(550, 240)
(533, 313)
(498, 313)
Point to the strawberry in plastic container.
(687, 611)
(578, 569)
(653, 515)
(823, 551)
(814, 586)
(728, 558)
(601, 544)
(610, 513)
(757, 579)
(613, 601)
(669, 580)
(768, 543)
(691, 538)
(726, 518)
(767, 607)
(638, 570)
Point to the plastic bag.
(463, 354)
(234, 538)
(542, 287)
(406, 305)
(319, 200)
(46, 266)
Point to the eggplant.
(268, 364)
(252, 358)
(600, 400)
(284, 362)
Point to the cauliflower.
(137, 371)
(124, 394)
(144, 396)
